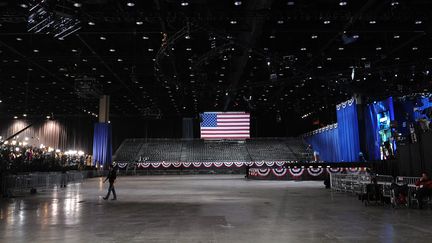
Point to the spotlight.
(139, 23)
(77, 5)
(184, 4)
(130, 4)
(91, 23)
(24, 115)
(237, 3)
(342, 3)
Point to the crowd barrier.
(352, 183)
(38, 181)
(410, 181)
(386, 187)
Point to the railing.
(410, 181)
(349, 182)
(356, 183)
(18, 184)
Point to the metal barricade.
(385, 182)
(40, 180)
(410, 181)
(353, 183)
(357, 183)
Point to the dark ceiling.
(282, 56)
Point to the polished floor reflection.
(208, 208)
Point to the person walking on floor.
(112, 175)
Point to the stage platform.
(205, 208)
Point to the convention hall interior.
(215, 121)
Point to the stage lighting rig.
(56, 17)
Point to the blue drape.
(348, 132)
(102, 144)
(371, 126)
(325, 141)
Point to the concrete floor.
(207, 208)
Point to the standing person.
(424, 189)
(63, 181)
(112, 175)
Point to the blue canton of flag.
(209, 120)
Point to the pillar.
(104, 103)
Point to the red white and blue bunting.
(122, 165)
(296, 171)
(176, 164)
(280, 163)
(270, 164)
(315, 171)
(264, 172)
(259, 163)
(282, 171)
(279, 170)
(335, 170)
(187, 164)
(239, 164)
(218, 164)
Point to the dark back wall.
(417, 157)
(77, 132)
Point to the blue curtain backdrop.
(348, 131)
(102, 144)
(372, 128)
(325, 141)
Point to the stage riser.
(299, 174)
(261, 172)
(182, 172)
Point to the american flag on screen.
(225, 125)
